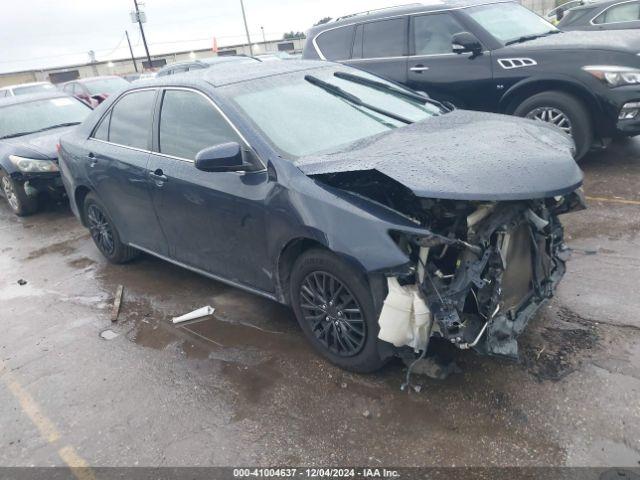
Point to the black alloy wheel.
(101, 231)
(334, 315)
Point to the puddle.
(108, 334)
(62, 248)
(557, 343)
(81, 263)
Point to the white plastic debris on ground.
(405, 319)
(201, 312)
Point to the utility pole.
(246, 27)
(133, 59)
(264, 38)
(144, 39)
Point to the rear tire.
(550, 104)
(13, 191)
(104, 232)
(339, 316)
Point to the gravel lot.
(245, 387)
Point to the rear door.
(117, 158)
(463, 79)
(381, 47)
(214, 221)
(621, 16)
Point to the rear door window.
(387, 38)
(131, 119)
(432, 34)
(624, 12)
(190, 123)
(336, 44)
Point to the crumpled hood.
(620, 40)
(43, 143)
(463, 155)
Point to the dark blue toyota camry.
(382, 217)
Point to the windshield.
(302, 118)
(27, 89)
(509, 22)
(24, 118)
(106, 85)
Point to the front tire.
(13, 191)
(565, 112)
(104, 233)
(335, 309)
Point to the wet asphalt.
(244, 387)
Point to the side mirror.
(465, 42)
(226, 157)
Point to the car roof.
(90, 79)
(31, 97)
(209, 61)
(590, 4)
(427, 6)
(228, 73)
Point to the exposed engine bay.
(480, 272)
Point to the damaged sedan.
(382, 217)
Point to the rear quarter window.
(336, 44)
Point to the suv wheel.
(21, 204)
(104, 233)
(565, 112)
(334, 306)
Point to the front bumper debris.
(488, 275)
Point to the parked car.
(26, 89)
(603, 15)
(30, 126)
(555, 15)
(318, 185)
(94, 90)
(274, 56)
(137, 77)
(200, 64)
(497, 56)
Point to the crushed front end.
(483, 269)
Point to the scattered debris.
(22, 282)
(366, 414)
(343, 385)
(201, 312)
(108, 334)
(434, 367)
(116, 304)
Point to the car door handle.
(419, 68)
(158, 177)
(92, 159)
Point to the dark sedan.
(602, 15)
(381, 217)
(30, 126)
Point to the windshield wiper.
(22, 134)
(388, 88)
(60, 125)
(339, 92)
(526, 38)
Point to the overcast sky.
(47, 33)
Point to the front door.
(213, 220)
(463, 79)
(117, 157)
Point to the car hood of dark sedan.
(620, 40)
(463, 156)
(42, 144)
